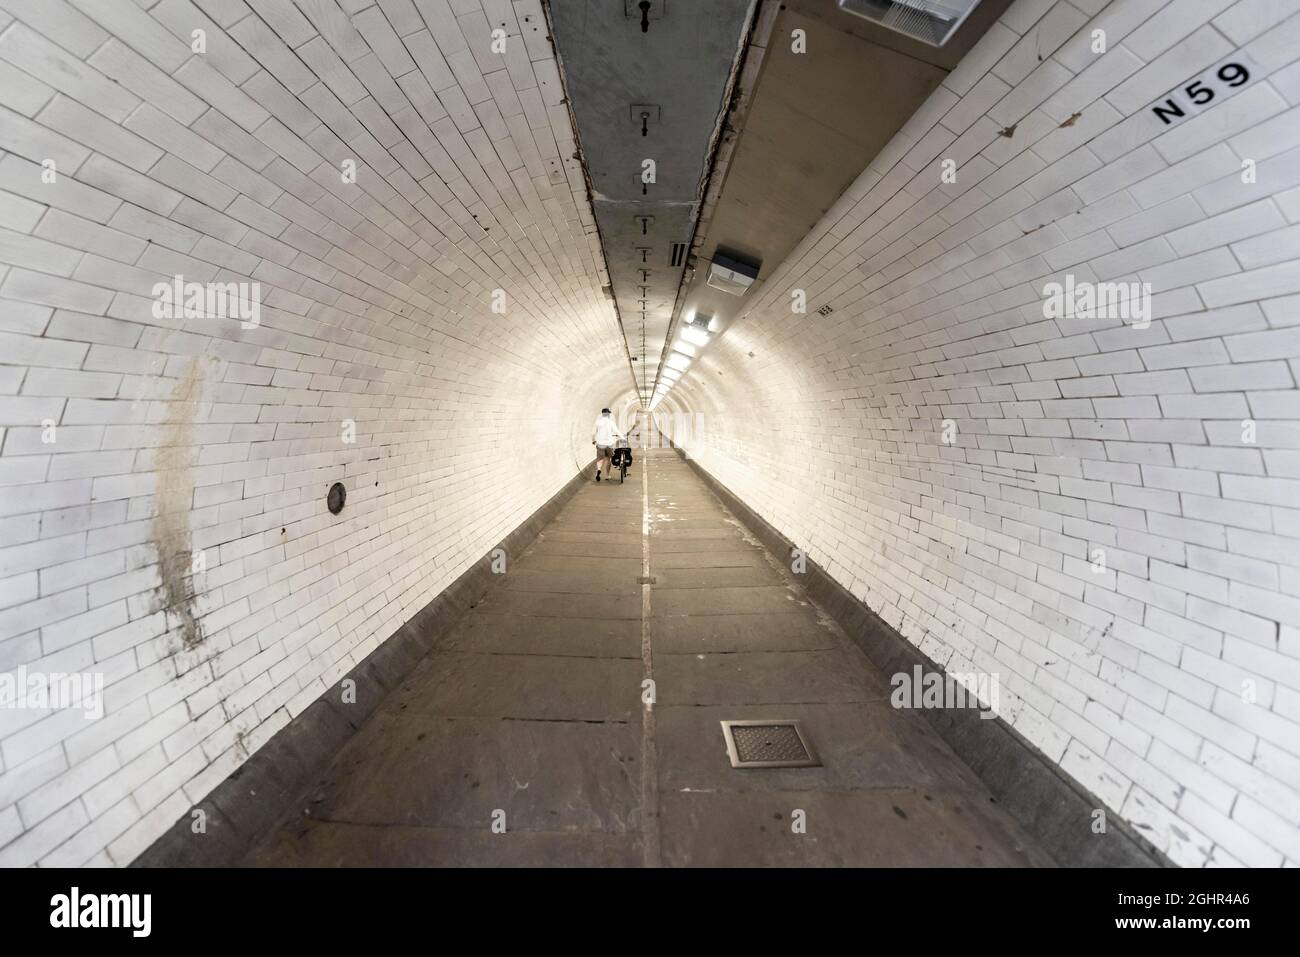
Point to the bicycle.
(621, 459)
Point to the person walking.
(603, 437)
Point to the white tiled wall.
(1168, 680)
(201, 437)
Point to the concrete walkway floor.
(529, 717)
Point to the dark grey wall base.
(258, 793)
(1052, 807)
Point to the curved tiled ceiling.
(820, 95)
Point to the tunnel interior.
(956, 344)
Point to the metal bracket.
(644, 115)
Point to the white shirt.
(605, 432)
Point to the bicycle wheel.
(622, 474)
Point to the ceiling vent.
(731, 275)
(930, 21)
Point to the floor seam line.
(649, 759)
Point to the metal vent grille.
(678, 255)
(930, 21)
(768, 744)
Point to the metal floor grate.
(768, 744)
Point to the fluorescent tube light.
(695, 334)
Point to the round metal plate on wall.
(336, 497)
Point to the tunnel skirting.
(1056, 810)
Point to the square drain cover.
(768, 744)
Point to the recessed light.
(930, 21)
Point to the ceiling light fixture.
(695, 334)
(930, 21)
(732, 276)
